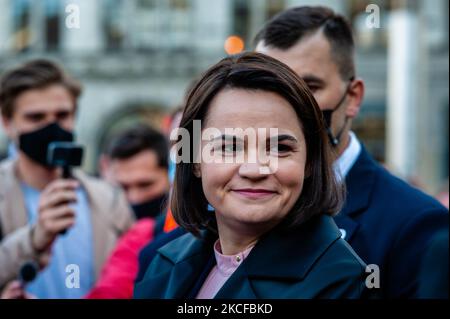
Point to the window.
(162, 24)
(241, 15)
(51, 24)
(273, 7)
(114, 24)
(21, 25)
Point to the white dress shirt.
(345, 162)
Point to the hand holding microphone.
(55, 212)
(16, 289)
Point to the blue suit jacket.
(311, 261)
(390, 224)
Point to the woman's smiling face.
(244, 193)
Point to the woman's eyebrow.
(229, 138)
(272, 139)
(282, 138)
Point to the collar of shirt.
(227, 264)
(345, 162)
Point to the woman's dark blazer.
(311, 261)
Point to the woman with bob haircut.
(271, 233)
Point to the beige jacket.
(111, 217)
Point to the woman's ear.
(197, 171)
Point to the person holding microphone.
(70, 224)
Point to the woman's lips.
(254, 193)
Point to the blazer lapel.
(347, 226)
(359, 182)
(189, 259)
(184, 275)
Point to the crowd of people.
(307, 221)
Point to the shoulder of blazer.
(12, 213)
(98, 189)
(187, 246)
(6, 173)
(106, 200)
(175, 268)
(294, 251)
(368, 182)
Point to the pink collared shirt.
(226, 265)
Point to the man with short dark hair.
(67, 225)
(138, 161)
(387, 222)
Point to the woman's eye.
(280, 149)
(231, 148)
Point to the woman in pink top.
(253, 145)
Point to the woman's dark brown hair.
(321, 193)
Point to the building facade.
(136, 58)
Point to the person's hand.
(55, 213)
(14, 290)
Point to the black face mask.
(328, 113)
(151, 208)
(35, 144)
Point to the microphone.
(28, 272)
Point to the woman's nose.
(253, 170)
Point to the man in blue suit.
(387, 222)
